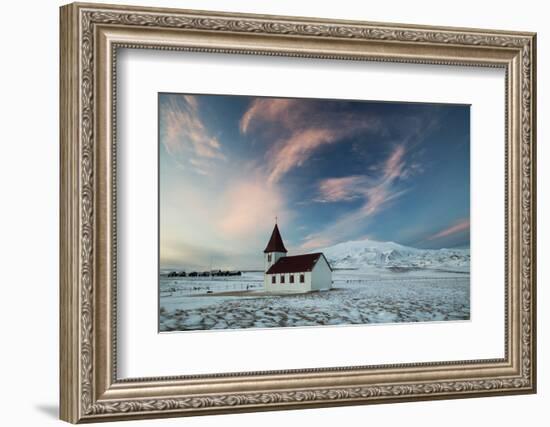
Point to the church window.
(268, 257)
(292, 278)
(282, 278)
(273, 279)
(302, 278)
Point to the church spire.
(275, 242)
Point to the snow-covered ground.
(373, 282)
(358, 297)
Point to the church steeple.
(275, 243)
(274, 250)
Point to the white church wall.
(267, 283)
(287, 286)
(321, 276)
(297, 286)
(308, 281)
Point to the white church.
(300, 273)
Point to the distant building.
(300, 273)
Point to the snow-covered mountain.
(370, 253)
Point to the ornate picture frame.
(91, 34)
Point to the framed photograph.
(330, 174)
(265, 212)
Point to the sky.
(329, 171)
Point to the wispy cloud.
(192, 101)
(315, 242)
(250, 204)
(395, 163)
(342, 189)
(185, 136)
(267, 110)
(296, 150)
(458, 227)
(376, 192)
(298, 129)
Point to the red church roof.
(296, 264)
(276, 242)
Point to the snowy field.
(376, 295)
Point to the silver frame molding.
(90, 37)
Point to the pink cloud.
(192, 101)
(297, 129)
(378, 197)
(460, 226)
(395, 163)
(186, 138)
(313, 242)
(266, 110)
(248, 205)
(342, 189)
(377, 191)
(296, 150)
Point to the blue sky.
(330, 170)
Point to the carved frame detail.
(81, 399)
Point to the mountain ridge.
(371, 253)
